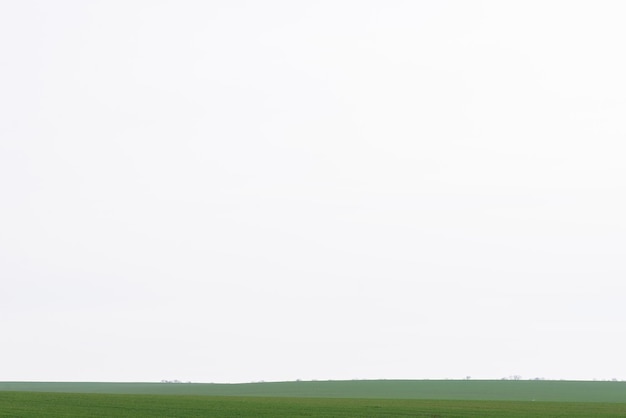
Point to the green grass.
(521, 390)
(49, 405)
(360, 398)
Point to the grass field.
(509, 390)
(49, 405)
(374, 398)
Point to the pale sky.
(233, 191)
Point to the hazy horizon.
(236, 191)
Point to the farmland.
(53, 405)
(494, 390)
(376, 398)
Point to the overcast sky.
(231, 191)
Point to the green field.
(375, 398)
(47, 405)
(495, 390)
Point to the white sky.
(235, 191)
